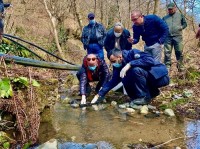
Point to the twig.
(157, 146)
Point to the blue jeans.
(139, 83)
(97, 49)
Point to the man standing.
(176, 23)
(2, 6)
(93, 69)
(117, 38)
(140, 74)
(93, 36)
(153, 31)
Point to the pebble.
(169, 112)
(144, 109)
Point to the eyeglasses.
(135, 19)
(93, 59)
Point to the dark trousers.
(139, 83)
(95, 48)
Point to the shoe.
(141, 101)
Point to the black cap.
(91, 15)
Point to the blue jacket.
(136, 58)
(100, 74)
(154, 30)
(100, 34)
(110, 40)
(2, 6)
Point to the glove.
(83, 101)
(95, 98)
(124, 70)
(162, 46)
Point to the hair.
(136, 13)
(115, 52)
(119, 24)
(199, 24)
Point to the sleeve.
(6, 5)
(164, 30)
(128, 44)
(83, 81)
(111, 84)
(136, 35)
(106, 73)
(83, 36)
(106, 42)
(104, 34)
(183, 22)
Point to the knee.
(137, 71)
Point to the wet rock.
(144, 109)
(51, 144)
(124, 106)
(151, 107)
(130, 110)
(113, 103)
(169, 112)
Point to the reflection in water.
(193, 131)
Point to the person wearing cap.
(93, 37)
(198, 36)
(140, 74)
(2, 15)
(93, 69)
(176, 23)
(153, 31)
(117, 38)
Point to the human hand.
(130, 39)
(124, 70)
(95, 98)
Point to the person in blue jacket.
(140, 74)
(93, 37)
(117, 38)
(2, 8)
(153, 30)
(93, 69)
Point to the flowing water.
(116, 127)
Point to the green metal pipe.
(37, 63)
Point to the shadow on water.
(193, 134)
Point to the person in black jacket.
(2, 7)
(93, 69)
(117, 38)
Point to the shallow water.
(193, 134)
(112, 125)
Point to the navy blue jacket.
(100, 34)
(110, 40)
(154, 30)
(100, 74)
(136, 58)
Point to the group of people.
(141, 73)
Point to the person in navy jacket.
(153, 31)
(117, 38)
(140, 74)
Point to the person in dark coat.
(140, 74)
(153, 31)
(93, 69)
(117, 38)
(2, 8)
(93, 37)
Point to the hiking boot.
(140, 101)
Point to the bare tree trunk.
(129, 12)
(101, 9)
(156, 6)
(120, 18)
(148, 6)
(95, 6)
(77, 14)
(53, 22)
